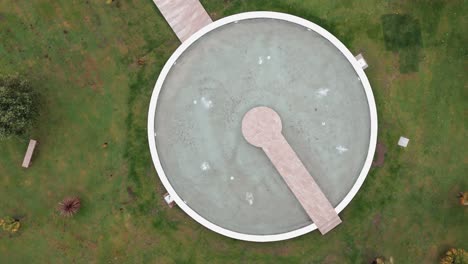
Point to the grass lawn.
(83, 57)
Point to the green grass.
(82, 56)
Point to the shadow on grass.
(402, 34)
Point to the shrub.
(455, 256)
(463, 196)
(10, 224)
(18, 106)
(69, 206)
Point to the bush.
(10, 224)
(18, 106)
(463, 196)
(69, 206)
(455, 256)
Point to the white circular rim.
(234, 18)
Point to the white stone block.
(169, 200)
(403, 142)
(362, 62)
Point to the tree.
(18, 106)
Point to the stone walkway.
(184, 16)
(261, 127)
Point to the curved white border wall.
(199, 34)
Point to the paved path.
(261, 127)
(184, 16)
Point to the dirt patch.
(376, 220)
(121, 46)
(330, 259)
(284, 251)
(66, 24)
(87, 73)
(379, 158)
(131, 193)
(92, 73)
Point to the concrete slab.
(29, 153)
(169, 200)
(360, 59)
(184, 16)
(403, 142)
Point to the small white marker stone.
(323, 123)
(403, 142)
(169, 200)
(268, 57)
(232, 178)
(194, 101)
(361, 61)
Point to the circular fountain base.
(260, 59)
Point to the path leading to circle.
(261, 127)
(184, 16)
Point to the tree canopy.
(18, 106)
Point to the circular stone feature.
(261, 125)
(231, 66)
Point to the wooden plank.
(184, 16)
(29, 153)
